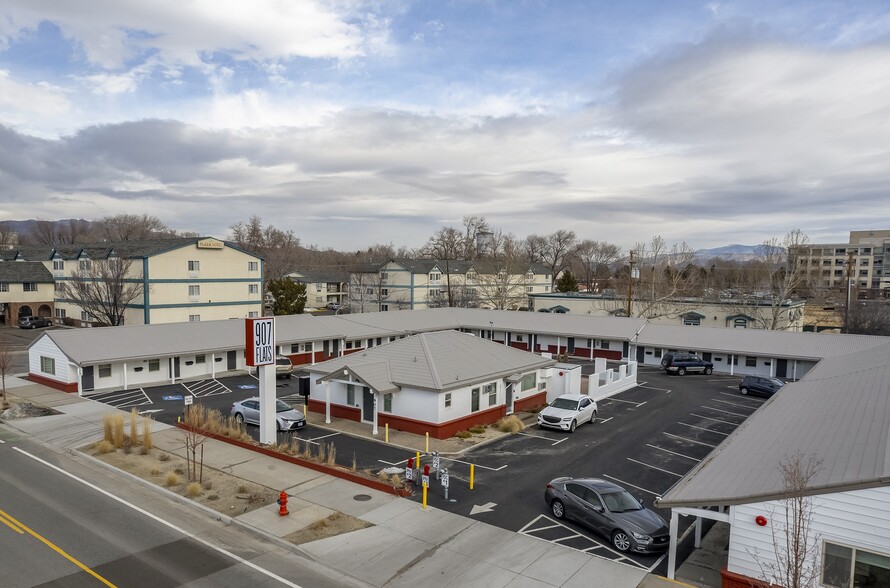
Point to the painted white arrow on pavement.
(487, 507)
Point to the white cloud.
(42, 99)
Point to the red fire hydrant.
(282, 501)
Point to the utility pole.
(849, 288)
(630, 284)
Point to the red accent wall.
(518, 345)
(733, 580)
(299, 358)
(63, 386)
(351, 351)
(531, 401)
(584, 352)
(337, 410)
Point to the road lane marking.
(623, 483)
(642, 463)
(404, 461)
(689, 440)
(713, 419)
(323, 437)
(11, 525)
(55, 547)
(738, 414)
(702, 429)
(671, 452)
(161, 521)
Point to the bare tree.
(870, 317)
(8, 236)
(555, 250)
(499, 281)
(43, 233)
(594, 261)
(5, 367)
(446, 246)
(279, 248)
(104, 288)
(196, 417)
(477, 237)
(364, 289)
(130, 227)
(794, 563)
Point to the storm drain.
(362, 497)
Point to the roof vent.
(415, 359)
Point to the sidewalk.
(406, 546)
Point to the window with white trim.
(60, 313)
(253, 314)
(48, 365)
(105, 370)
(200, 358)
(691, 320)
(740, 323)
(85, 316)
(84, 265)
(750, 361)
(529, 381)
(154, 365)
(194, 318)
(29, 286)
(253, 288)
(194, 290)
(435, 277)
(253, 266)
(474, 399)
(4, 286)
(194, 265)
(448, 400)
(844, 566)
(387, 402)
(492, 391)
(58, 265)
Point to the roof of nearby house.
(24, 271)
(126, 249)
(319, 276)
(839, 413)
(462, 266)
(441, 360)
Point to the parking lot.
(644, 439)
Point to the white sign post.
(259, 351)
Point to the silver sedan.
(287, 419)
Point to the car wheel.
(743, 390)
(593, 418)
(681, 371)
(558, 509)
(572, 427)
(621, 541)
(709, 371)
(239, 418)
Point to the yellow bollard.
(472, 472)
(427, 450)
(386, 426)
(304, 411)
(417, 460)
(424, 496)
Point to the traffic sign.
(445, 478)
(189, 399)
(425, 480)
(436, 460)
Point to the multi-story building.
(176, 280)
(26, 289)
(323, 286)
(829, 266)
(414, 284)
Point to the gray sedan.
(610, 510)
(287, 419)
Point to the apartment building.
(861, 260)
(416, 284)
(178, 280)
(26, 289)
(323, 287)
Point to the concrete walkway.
(406, 546)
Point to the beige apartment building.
(179, 279)
(830, 265)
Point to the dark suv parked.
(680, 363)
(33, 322)
(760, 386)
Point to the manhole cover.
(362, 497)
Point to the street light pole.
(630, 284)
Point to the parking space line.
(566, 538)
(623, 483)
(323, 437)
(715, 420)
(689, 440)
(702, 429)
(735, 404)
(667, 390)
(671, 452)
(605, 420)
(478, 465)
(530, 528)
(628, 401)
(726, 411)
(742, 397)
(544, 438)
(655, 467)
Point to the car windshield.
(777, 383)
(622, 501)
(565, 404)
(281, 406)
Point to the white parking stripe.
(623, 483)
(628, 401)
(702, 429)
(529, 529)
(605, 420)
(655, 467)
(654, 388)
(689, 440)
(671, 452)
(743, 397)
(726, 411)
(715, 420)
(736, 404)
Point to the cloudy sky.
(356, 122)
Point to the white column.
(672, 550)
(268, 428)
(731, 364)
(125, 375)
(327, 403)
(170, 370)
(794, 371)
(213, 365)
(697, 532)
(772, 367)
(79, 372)
(374, 427)
(557, 346)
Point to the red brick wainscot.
(70, 387)
(318, 467)
(734, 580)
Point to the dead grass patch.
(510, 424)
(335, 524)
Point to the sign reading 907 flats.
(259, 341)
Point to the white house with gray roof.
(437, 383)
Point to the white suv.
(567, 412)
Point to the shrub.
(172, 479)
(144, 450)
(146, 432)
(108, 427)
(155, 471)
(510, 424)
(193, 489)
(322, 455)
(208, 485)
(164, 457)
(242, 489)
(331, 458)
(463, 434)
(104, 447)
(213, 497)
(117, 430)
(134, 421)
(477, 429)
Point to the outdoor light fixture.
(760, 520)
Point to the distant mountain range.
(735, 251)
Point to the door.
(706, 356)
(368, 405)
(570, 345)
(641, 354)
(626, 348)
(578, 507)
(781, 368)
(509, 398)
(336, 347)
(326, 348)
(175, 367)
(252, 411)
(230, 360)
(86, 381)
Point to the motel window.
(474, 399)
(60, 313)
(200, 358)
(194, 318)
(448, 400)
(48, 365)
(657, 352)
(29, 286)
(735, 360)
(105, 370)
(847, 566)
(740, 323)
(85, 316)
(492, 391)
(604, 344)
(58, 265)
(691, 321)
(84, 265)
(750, 361)
(384, 307)
(529, 381)
(253, 288)
(194, 265)
(350, 394)
(253, 314)
(529, 288)
(384, 291)
(154, 365)
(194, 290)
(318, 287)
(253, 266)
(435, 277)
(4, 286)
(387, 403)
(349, 345)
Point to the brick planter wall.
(63, 386)
(734, 580)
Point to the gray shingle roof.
(17, 272)
(442, 360)
(839, 413)
(126, 249)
